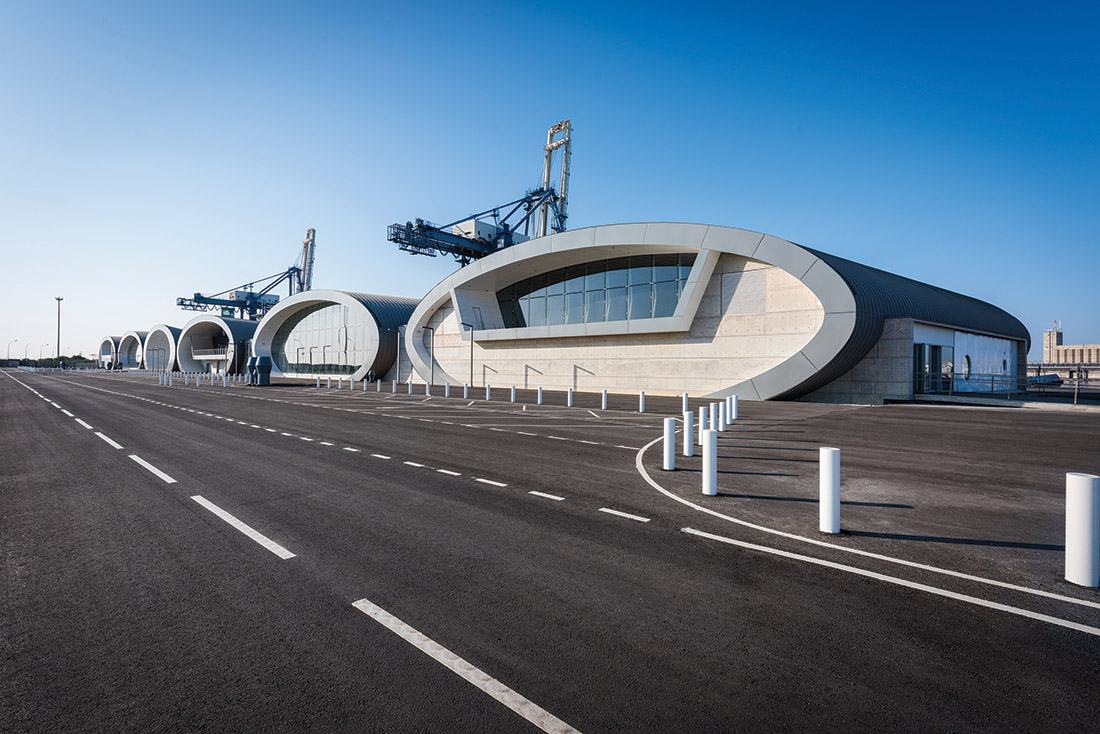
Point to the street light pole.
(471, 326)
(40, 351)
(13, 341)
(59, 300)
(431, 355)
(26, 349)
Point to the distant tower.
(1051, 338)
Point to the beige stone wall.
(885, 372)
(1075, 354)
(721, 349)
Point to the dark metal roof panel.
(391, 313)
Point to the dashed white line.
(305, 439)
(627, 515)
(167, 479)
(537, 715)
(82, 423)
(490, 481)
(412, 463)
(349, 448)
(547, 496)
(67, 413)
(287, 434)
(525, 433)
(266, 542)
(271, 430)
(448, 472)
(558, 438)
(109, 441)
(326, 443)
(380, 456)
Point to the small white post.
(714, 416)
(670, 445)
(328, 383)
(569, 398)
(465, 391)
(446, 389)
(722, 416)
(427, 388)
(395, 387)
(513, 393)
(540, 395)
(733, 407)
(409, 384)
(702, 422)
(185, 380)
(225, 381)
(318, 382)
(603, 404)
(379, 388)
(641, 401)
(1083, 529)
(829, 501)
(684, 402)
(710, 462)
(364, 384)
(689, 433)
(339, 383)
(488, 391)
(169, 380)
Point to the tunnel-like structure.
(108, 351)
(320, 333)
(160, 348)
(209, 343)
(131, 350)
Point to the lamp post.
(40, 351)
(471, 327)
(59, 300)
(26, 349)
(13, 341)
(431, 355)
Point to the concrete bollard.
(513, 393)
(829, 501)
(714, 416)
(733, 408)
(603, 403)
(702, 422)
(540, 396)
(569, 398)
(689, 433)
(709, 441)
(1083, 529)
(488, 391)
(684, 402)
(641, 401)
(465, 391)
(670, 445)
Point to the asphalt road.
(129, 605)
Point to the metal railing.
(208, 353)
(1007, 387)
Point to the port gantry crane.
(471, 238)
(249, 302)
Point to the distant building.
(1068, 361)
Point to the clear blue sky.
(149, 150)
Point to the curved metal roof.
(391, 312)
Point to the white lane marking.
(628, 448)
(82, 423)
(547, 496)
(254, 426)
(593, 414)
(558, 438)
(380, 456)
(470, 403)
(627, 515)
(266, 542)
(271, 430)
(109, 441)
(287, 434)
(498, 429)
(594, 443)
(67, 413)
(525, 433)
(490, 481)
(150, 467)
(349, 448)
(450, 473)
(856, 551)
(413, 463)
(325, 443)
(55, 405)
(243, 423)
(305, 439)
(901, 582)
(537, 715)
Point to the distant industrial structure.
(1068, 361)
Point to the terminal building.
(108, 351)
(160, 348)
(209, 343)
(131, 350)
(710, 310)
(1068, 361)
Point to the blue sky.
(151, 150)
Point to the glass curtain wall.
(322, 339)
(636, 287)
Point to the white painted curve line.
(856, 551)
(449, 473)
(537, 715)
(109, 441)
(547, 496)
(153, 469)
(82, 423)
(67, 413)
(490, 481)
(380, 456)
(901, 582)
(627, 515)
(263, 540)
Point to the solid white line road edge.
(534, 713)
(856, 551)
(263, 540)
(150, 467)
(901, 582)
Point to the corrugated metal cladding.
(880, 295)
(390, 312)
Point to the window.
(636, 287)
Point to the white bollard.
(465, 391)
(722, 413)
(684, 402)
(714, 416)
(1083, 529)
(318, 382)
(488, 391)
(427, 389)
(395, 387)
(702, 422)
(410, 385)
(379, 388)
(225, 382)
(185, 382)
(733, 407)
(339, 383)
(446, 389)
(829, 501)
(569, 398)
(364, 384)
(603, 404)
(709, 441)
(513, 393)
(689, 433)
(169, 380)
(670, 445)
(641, 401)
(540, 395)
